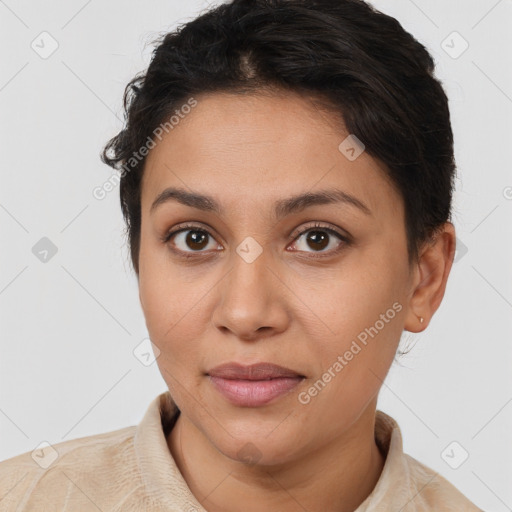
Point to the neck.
(335, 477)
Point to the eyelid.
(319, 225)
(185, 226)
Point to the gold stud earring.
(421, 319)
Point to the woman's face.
(268, 280)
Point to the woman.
(286, 179)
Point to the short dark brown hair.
(355, 59)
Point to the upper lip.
(257, 371)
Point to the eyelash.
(194, 254)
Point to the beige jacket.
(132, 469)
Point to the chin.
(255, 449)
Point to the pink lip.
(253, 393)
(257, 371)
(253, 385)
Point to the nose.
(251, 300)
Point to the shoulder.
(50, 472)
(407, 484)
(431, 491)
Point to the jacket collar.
(165, 483)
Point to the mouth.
(253, 385)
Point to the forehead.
(261, 148)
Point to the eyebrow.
(282, 207)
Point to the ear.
(430, 278)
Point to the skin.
(285, 307)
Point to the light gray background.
(69, 326)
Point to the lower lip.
(253, 393)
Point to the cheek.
(157, 304)
(353, 369)
(173, 311)
(171, 327)
(161, 295)
(364, 312)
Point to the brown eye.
(193, 239)
(189, 239)
(320, 239)
(196, 239)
